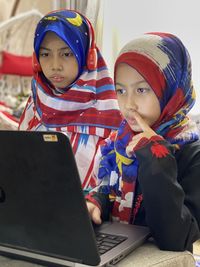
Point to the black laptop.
(43, 214)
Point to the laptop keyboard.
(106, 242)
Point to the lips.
(131, 121)
(57, 78)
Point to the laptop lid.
(41, 200)
(43, 214)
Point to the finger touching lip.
(131, 120)
(140, 121)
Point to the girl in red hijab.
(148, 172)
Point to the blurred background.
(115, 23)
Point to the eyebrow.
(48, 49)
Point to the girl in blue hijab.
(72, 91)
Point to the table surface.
(146, 255)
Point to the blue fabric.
(172, 59)
(71, 27)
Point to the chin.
(135, 128)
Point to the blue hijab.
(71, 27)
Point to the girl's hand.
(146, 133)
(94, 212)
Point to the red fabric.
(147, 68)
(159, 150)
(173, 105)
(15, 64)
(90, 198)
(144, 141)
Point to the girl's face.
(135, 95)
(57, 61)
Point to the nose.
(56, 64)
(131, 103)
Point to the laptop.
(43, 214)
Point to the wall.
(130, 18)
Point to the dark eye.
(120, 91)
(67, 54)
(43, 54)
(142, 90)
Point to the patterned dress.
(87, 110)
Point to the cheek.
(157, 107)
(155, 111)
(44, 65)
(154, 104)
(121, 107)
(73, 62)
(72, 67)
(120, 102)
